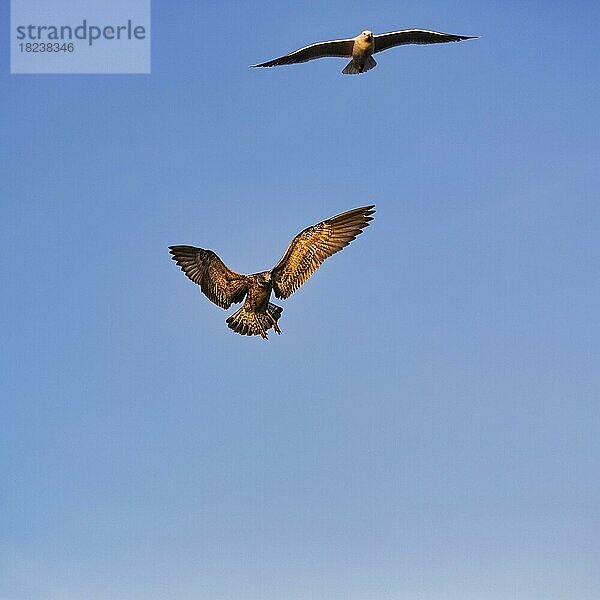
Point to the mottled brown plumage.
(302, 258)
(362, 47)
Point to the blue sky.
(427, 425)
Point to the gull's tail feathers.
(353, 67)
(248, 322)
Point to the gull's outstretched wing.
(341, 48)
(312, 246)
(384, 41)
(219, 284)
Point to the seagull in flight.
(302, 258)
(361, 48)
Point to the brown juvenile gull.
(302, 258)
(362, 47)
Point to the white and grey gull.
(361, 48)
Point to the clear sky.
(427, 426)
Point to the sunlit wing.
(311, 247)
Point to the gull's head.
(367, 35)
